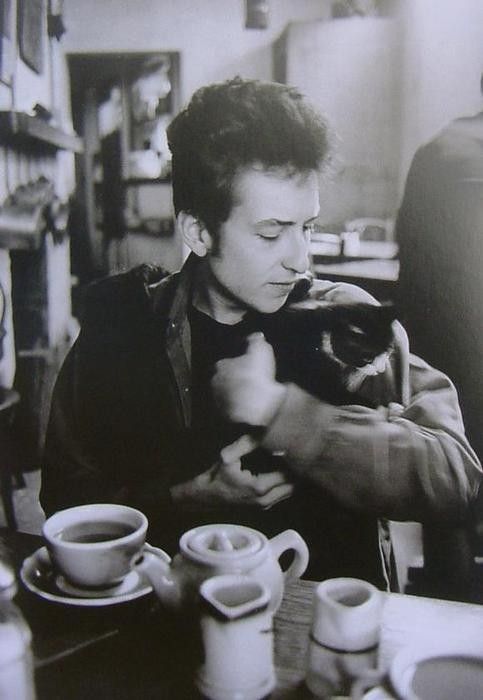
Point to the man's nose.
(297, 253)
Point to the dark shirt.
(309, 511)
(212, 341)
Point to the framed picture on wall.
(31, 32)
(7, 38)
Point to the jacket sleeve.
(71, 474)
(91, 444)
(401, 462)
(411, 463)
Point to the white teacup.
(92, 545)
(441, 672)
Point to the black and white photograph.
(241, 349)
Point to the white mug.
(344, 636)
(347, 614)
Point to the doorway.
(121, 213)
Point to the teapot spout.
(155, 565)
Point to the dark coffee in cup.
(448, 678)
(95, 531)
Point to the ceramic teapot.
(211, 550)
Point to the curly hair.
(234, 125)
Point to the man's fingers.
(255, 341)
(275, 495)
(264, 490)
(238, 449)
(264, 482)
(261, 353)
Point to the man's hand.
(245, 387)
(227, 483)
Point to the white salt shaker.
(16, 661)
(344, 635)
(237, 634)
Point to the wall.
(442, 63)
(210, 35)
(26, 87)
(349, 68)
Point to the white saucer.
(38, 575)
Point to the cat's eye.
(355, 330)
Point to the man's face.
(262, 248)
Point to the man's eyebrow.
(274, 222)
(280, 222)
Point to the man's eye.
(269, 235)
(309, 228)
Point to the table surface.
(136, 650)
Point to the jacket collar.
(171, 296)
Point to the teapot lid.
(222, 541)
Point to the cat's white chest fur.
(353, 377)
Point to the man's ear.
(194, 234)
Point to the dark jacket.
(440, 235)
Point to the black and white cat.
(328, 349)
(356, 337)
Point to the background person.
(440, 235)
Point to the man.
(134, 416)
(440, 235)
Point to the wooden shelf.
(29, 130)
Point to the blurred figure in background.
(440, 235)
